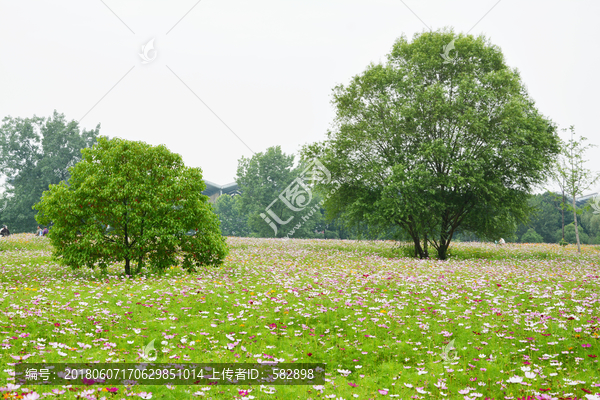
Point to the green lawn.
(524, 319)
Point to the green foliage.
(531, 236)
(262, 179)
(570, 235)
(590, 222)
(546, 218)
(573, 177)
(432, 148)
(35, 153)
(147, 197)
(233, 221)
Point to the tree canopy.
(35, 153)
(233, 221)
(436, 147)
(130, 201)
(274, 196)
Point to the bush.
(531, 236)
(331, 235)
(570, 235)
(132, 202)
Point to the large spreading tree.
(35, 153)
(134, 203)
(435, 147)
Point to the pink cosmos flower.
(25, 357)
(9, 387)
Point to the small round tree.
(134, 203)
(531, 236)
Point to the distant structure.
(213, 190)
(580, 200)
(583, 199)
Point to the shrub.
(531, 236)
(132, 202)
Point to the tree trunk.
(414, 234)
(425, 249)
(418, 249)
(562, 209)
(443, 251)
(127, 267)
(576, 228)
(417, 242)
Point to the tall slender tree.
(575, 177)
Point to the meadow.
(524, 320)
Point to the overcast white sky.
(265, 68)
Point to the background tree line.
(35, 153)
(239, 214)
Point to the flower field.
(510, 322)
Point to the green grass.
(346, 303)
(23, 242)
